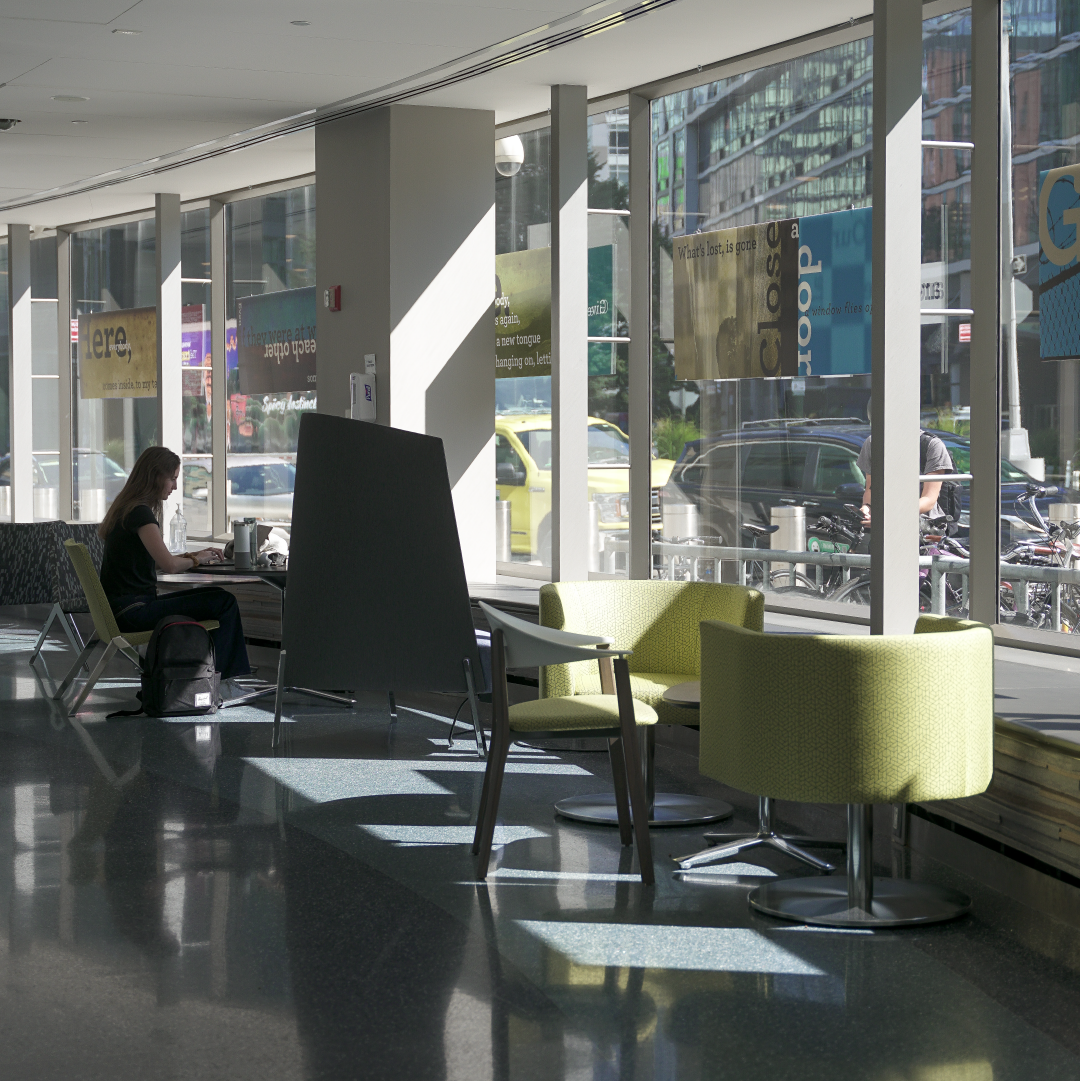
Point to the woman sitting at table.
(134, 546)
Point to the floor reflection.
(180, 901)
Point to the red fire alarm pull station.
(331, 298)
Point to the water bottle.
(178, 533)
(253, 539)
(241, 545)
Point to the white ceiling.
(205, 69)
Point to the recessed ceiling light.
(69, 97)
(300, 22)
(131, 32)
(80, 121)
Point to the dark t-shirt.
(127, 568)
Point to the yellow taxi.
(523, 477)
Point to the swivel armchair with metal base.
(856, 720)
(725, 845)
(659, 621)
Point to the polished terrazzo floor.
(179, 902)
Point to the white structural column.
(569, 334)
(407, 230)
(640, 388)
(986, 279)
(65, 509)
(219, 394)
(20, 375)
(170, 416)
(895, 376)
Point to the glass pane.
(1040, 484)
(760, 388)
(270, 251)
(5, 433)
(196, 294)
(112, 269)
(609, 317)
(523, 356)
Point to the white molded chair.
(613, 715)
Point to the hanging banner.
(523, 313)
(778, 299)
(276, 341)
(1059, 263)
(118, 354)
(194, 336)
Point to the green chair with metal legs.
(105, 629)
(856, 720)
(659, 621)
(613, 714)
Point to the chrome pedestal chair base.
(859, 899)
(666, 809)
(765, 835)
(894, 902)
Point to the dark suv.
(742, 475)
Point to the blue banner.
(835, 293)
(1059, 265)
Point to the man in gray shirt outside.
(938, 460)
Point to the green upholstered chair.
(105, 629)
(659, 621)
(857, 720)
(612, 713)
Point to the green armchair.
(660, 622)
(857, 720)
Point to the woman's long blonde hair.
(144, 487)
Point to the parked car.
(742, 475)
(96, 481)
(523, 476)
(260, 486)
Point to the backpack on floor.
(179, 678)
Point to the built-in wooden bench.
(1033, 802)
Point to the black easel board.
(377, 598)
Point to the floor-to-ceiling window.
(523, 352)
(195, 357)
(112, 269)
(1040, 403)
(5, 421)
(269, 347)
(761, 322)
(45, 377)
(609, 340)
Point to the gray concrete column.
(219, 391)
(640, 389)
(986, 275)
(407, 229)
(569, 334)
(170, 404)
(895, 372)
(20, 375)
(65, 509)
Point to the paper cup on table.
(241, 546)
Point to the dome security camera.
(5, 125)
(509, 155)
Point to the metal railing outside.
(701, 562)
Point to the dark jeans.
(206, 602)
